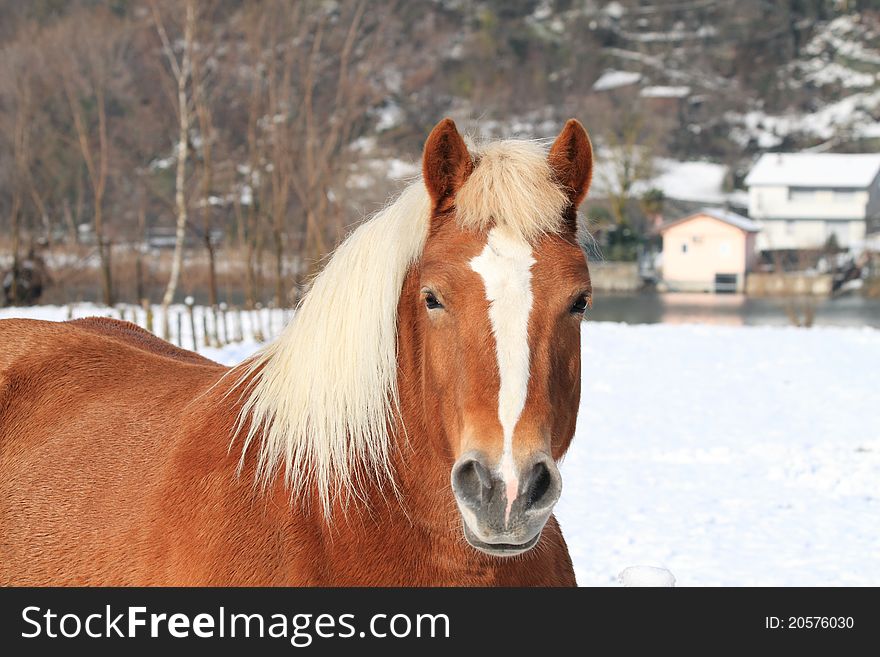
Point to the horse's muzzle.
(494, 523)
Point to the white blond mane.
(320, 401)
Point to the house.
(710, 251)
(803, 199)
(669, 101)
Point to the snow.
(612, 79)
(665, 92)
(614, 9)
(852, 111)
(646, 576)
(700, 78)
(162, 163)
(815, 169)
(247, 195)
(402, 169)
(845, 37)
(729, 455)
(703, 32)
(725, 455)
(821, 72)
(251, 324)
(696, 181)
(371, 171)
(389, 116)
(732, 218)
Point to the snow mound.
(645, 576)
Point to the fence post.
(215, 330)
(190, 304)
(215, 317)
(148, 314)
(256, 324)
(180, 330)
(238, 320)
(205, 335)
(225, 338)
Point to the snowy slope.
(729, 455)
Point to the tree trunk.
(68, 221)
(203, 114)
(250, 276)
(212, 269)
(279, 269)
(182, 75)
(16, 248)
(103, 256)
(140, 293)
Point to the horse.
(404, 429)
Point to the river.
(851, 310)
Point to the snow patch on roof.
(665, 92)
(612, 79)
(815, 169)
(725, 216)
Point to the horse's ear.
(446, 163)
(571, 158)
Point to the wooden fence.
(199, 327)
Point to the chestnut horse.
(403, 430)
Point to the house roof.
(815, 169)
(731, 218)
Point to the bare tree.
(279, 80)
(181, 70)
(327, 121)
(629, 149)
(317, 68)
(249, 193)
(86, 61)
(206, 131)
(17, 88)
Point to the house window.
(789, 227)
(684, 247)
(844, 195)
(724, 248)
(697, 239)
(802, 193)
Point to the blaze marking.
(505, 265)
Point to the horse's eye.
(431, 301)
(580, 305)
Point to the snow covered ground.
(729, 455)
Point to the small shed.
(709, 251)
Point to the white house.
(801, 199)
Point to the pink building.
(710, 251)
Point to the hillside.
(305, 116)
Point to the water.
(733, 309)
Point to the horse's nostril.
(539, 485)
(470, 479)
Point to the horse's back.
(135, 336)
(89, 412)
